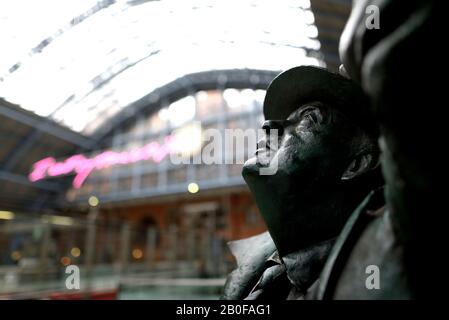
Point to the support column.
(90, 247)
(151, 247)
(173, 234)
(125, 246)
(43, 254)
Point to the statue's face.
(315, 145)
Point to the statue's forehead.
(289, 112)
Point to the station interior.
(93, 92)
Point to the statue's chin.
(251, 168)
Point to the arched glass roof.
(80, 61)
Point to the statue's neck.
(304, 266)
(297, 225)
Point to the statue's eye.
(310, 118)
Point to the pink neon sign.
(83, 166)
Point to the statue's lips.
(263, 146)
(264, 153)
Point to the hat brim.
(305, 84)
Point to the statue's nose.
(274, 124)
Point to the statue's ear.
(359, 165)
(342, 71)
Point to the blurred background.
(87, 87)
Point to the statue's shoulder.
(368, 246)
(251, 255)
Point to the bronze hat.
(305, 84)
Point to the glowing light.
(193, 187)
(83, 166)
(188, 140)
(181, 111)
(65, 261)
(202, 95)
(6, 215)
(137, 254)
(93, 201)
(163, 114)
(75, 252)
(260, 95)
(16, 255)
(58, 220)
(232, 97)
(247, 97)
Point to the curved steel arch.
(184, 86)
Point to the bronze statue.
(327, 158)
(403, 239)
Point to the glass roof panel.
(80, 62)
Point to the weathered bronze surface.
(327, 160)
(393, 64)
